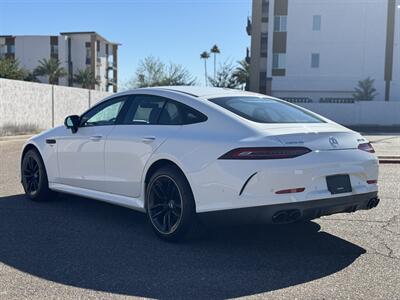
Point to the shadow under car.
(94, 245)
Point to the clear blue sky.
(173, 30)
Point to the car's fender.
(47, 151)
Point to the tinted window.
(146, 109)
(175, 113)
(170, 115)
(103, 114)
(265, 110)
(191, 116)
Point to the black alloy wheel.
(34, 177)
(170, 204)
(31, 175)
(165, 204)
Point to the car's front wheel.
(34, 177)
(170, 204)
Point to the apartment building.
(320, 49)
(75, 51)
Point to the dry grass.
(20, 129)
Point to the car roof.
(204, 92)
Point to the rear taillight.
(367, 147)
(265, 153)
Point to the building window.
(264, 44)
(317, 23)
(315, 60)
(264, 8)
(10, 49)
(280, 23)
(88, 53)
(279, 61)
(98, 52)
(54, 47)
(54, 50)
(3, 50)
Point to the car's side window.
(103, 114)
(176, 113)
(191, 116)
(170, 115)
(145, 110)
(151, 110)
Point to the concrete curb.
(389, 161)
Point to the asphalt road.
(73, 247)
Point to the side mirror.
(72, 122)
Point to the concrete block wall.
(42, 105)
(23, 103)
(96, 96)
(69, 101)
(45, 105)
(362, 113)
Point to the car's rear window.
(265, 110)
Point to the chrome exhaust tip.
(373, 203)
(286, 216)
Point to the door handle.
(96, 137)
(148, 139)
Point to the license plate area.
(338, 184)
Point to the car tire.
(34, 177)
(170, 205)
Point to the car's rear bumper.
(236, 184)
(291, 212)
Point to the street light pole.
(398, 42)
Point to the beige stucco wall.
(380, 113)
(23, 103)
(96, 96)
(69, 101)
(42, 105)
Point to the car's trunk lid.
(314, 136)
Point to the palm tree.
(85, 78)
(51, 68)
(205, 55)
(242, 73)
(215, 50)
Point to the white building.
(75, 51)
(321, 48)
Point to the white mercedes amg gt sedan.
(179, 153)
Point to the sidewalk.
(387, 147)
